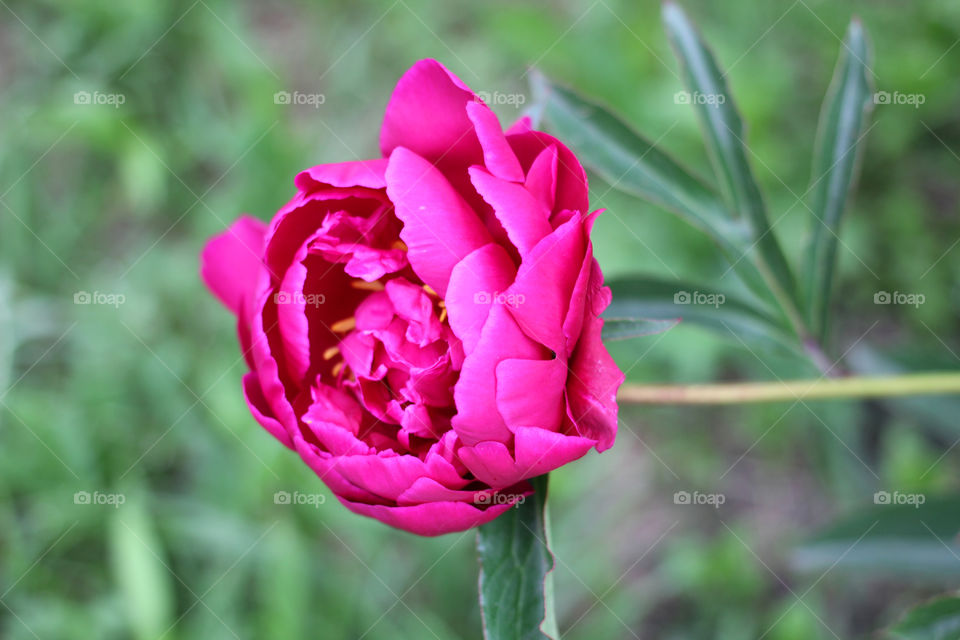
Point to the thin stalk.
(783, 391)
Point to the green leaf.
(936, 620)
(836, 161)
(725, 139)
(515, 565)
(893, 540)
(630, 163)
(654, 298)
(626, 328)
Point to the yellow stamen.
(430, 291)
(399, 244)
(363, 285)
(443, 314)
(331, 352)
(342, 326)
(337, 368)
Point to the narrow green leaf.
(630, 163)
(836, 160)
(626, 328)
(725, 139)
(904, 536)
(515, 565)
(657, 299)
(936, 620)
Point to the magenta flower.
(423, 329)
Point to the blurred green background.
(142, 399)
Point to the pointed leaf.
(654, 298)
(630, 163)
(836, 160)
(725, 139)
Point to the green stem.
(823, 388)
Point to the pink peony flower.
(423, 329)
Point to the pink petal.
(522, 125)
(498, 157)
(530, 392)
(476, 390)
(571, 191)
(427, 114)
(430, 518)
(439, 228)
(474, 283)
(592, 386)
(231, 261)
(261, 412)
(545, 283)
(360, 173)
(541, 178)
(525, 219)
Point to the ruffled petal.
(475, 282)
(498, 157)
(525, 219)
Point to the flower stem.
(823, 388)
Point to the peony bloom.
(423, 329)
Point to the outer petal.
(545, 283)
(439, 228)
(530, 392)
(430, 518)
(571, 178)
(525, 219)
(474, 283)
(538, 451)
(360, 173)
(427, 114)
(261, 411)
(476, 391)
(497, 154)
(592, 386)
(231, 261)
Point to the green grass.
(144, 399)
